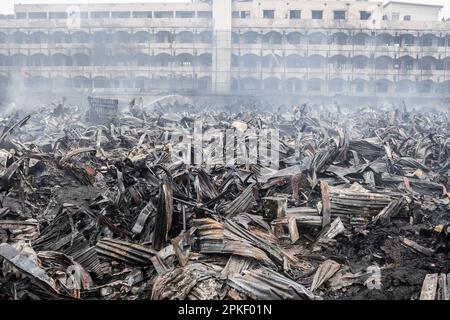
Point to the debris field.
(98, 205)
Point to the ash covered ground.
(346, 204)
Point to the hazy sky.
(6, 6)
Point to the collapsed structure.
(106, 208)
(308, 48)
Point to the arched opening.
(234, 61)
(37, 82)
(163, 37)
(295, 61)
(4, 60)
(205, 60)
(359, 86)
(38, 60)
(204, 83)
(80, 37)
(100, 37)
(427, 40)
(428, 63)
(122, 83)
(19, 37)
(234, 84)
(385, 39)
(317, 38)
(60, 60)
(446, 63)
(141, 37)
(249, 60)
(38, 37)
(405, 86)
(81, 60)
(336, 85)
(251, 37)
(444, 87)
(382, 86)
(81, 82)
(143, 60)
(205, 37)
(60, 82)
(4, 82)
(182, 83)
(361, 39)
(361, 62)
(272, 84)
(406, 63)
(184, 60)
(338, 61)
(271, 61)
(272, 37)
(120, 60)
(184, 37)
(2, 37)
(406, 39)
(426, 86)
(316, 61)
(314, 85)
(121, 37)
(293, 85)
(100, 59)
(142, 83)
(19, 60)
(383, 63)
(249, 84)
(163, 60)
(339, 38)
(60, 37)
(101, 82)
(294, 38)
(234, 37)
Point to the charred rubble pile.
(358, 208)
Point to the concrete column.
(221, 57)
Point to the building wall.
(235, 48)
(401, 11)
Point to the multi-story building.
(274, 47)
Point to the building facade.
(262, 47)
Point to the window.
(317, 14)
(204, 14)
(339, 15)
(268, 14)
(395, 16)
(407, 18)
(121, 14)
(142, 14)
(235, 14)
(245, 14)
(37, 15)
(100, 15)
(58, 15)
(84, 15)
(163, 14)
(295, 14)
(185, 14)
(364, 15)
(21, 15)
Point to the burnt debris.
(174, 201)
